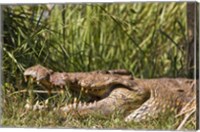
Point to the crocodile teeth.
(74, 105)
(79, 105)
(86, 91)
(84, 104)
(93, 85)
(82, 89)
(37, 103)
(95, 103)
(70, 105)
(46, 102)
(90, 104)
(25, 78)
(31, 80)
(75, 100)
(28, 106)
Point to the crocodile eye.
(180, 90)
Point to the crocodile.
(111, 90)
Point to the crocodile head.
(38, 74)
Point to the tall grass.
(148, 39)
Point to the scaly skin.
(165, 94)
(117, 90)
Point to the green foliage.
(147, 39)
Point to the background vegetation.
(148, 39)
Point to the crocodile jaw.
(120, 99)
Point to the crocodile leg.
(149, 109)
(120, 99)
(166, 97)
